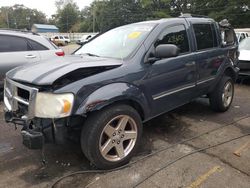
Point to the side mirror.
(166, 51)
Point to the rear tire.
(110, 137)
(222, 96)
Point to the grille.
(19, 98)
(24, 94)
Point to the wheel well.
(229, 72)
(133, 104)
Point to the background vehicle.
(18, 48)
(241, 36)
(67, 39)
(244, 58)
(121, 79)
(60, 40)
(85, 38)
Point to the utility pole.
(7, 19)
(67, 22)
(94, 15)
(94, 19)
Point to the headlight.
(53, 105)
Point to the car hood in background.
(244, 55)
(47, 72)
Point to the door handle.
(190, 64)
(30, 56)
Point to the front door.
(171, 81)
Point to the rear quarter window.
(36, 46)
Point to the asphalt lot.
(216, 167)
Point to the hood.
(244, 55)
(75, 67)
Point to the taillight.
(61, 53)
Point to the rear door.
(15, 51)
(209, 55)
(45, 52)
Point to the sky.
(46, 6)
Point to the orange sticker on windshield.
(134, 35)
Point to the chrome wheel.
(227, 95)
(118, 138)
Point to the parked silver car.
(18, 48)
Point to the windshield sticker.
(134, 35)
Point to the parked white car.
(244, 58)
(85, 38)
(241, 36)
(60, 40)
(19, 48)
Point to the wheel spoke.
(107, 147)
(122, 123)
(109, 130)
(130, 135)
(120, 150)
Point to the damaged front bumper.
(37, 131)
(32, 138)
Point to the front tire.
(110, 137)
(222, 97)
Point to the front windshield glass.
(245, 44)
(117, 43)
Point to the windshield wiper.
(90, 54)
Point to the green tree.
(67, 16)
(20, 17)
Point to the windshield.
(245, 44)
(117, 43)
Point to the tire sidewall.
(101, 120)
(232, 84)
(216, 99)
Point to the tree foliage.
(108, 14)
(67, 15)
(20, 17)
(103, 15)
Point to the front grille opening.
(23, 93)
(22, 108)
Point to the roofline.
(6, 30)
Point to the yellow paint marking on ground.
(204, 177)
(244, 147)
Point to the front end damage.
(19, 110)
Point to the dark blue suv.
(110, 86)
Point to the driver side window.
(176, 35)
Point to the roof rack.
(18, 30)
(188, 15)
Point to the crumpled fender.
(111, 93)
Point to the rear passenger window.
(13, 44)
(205, 36)
(37, 46)
(176, 35)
